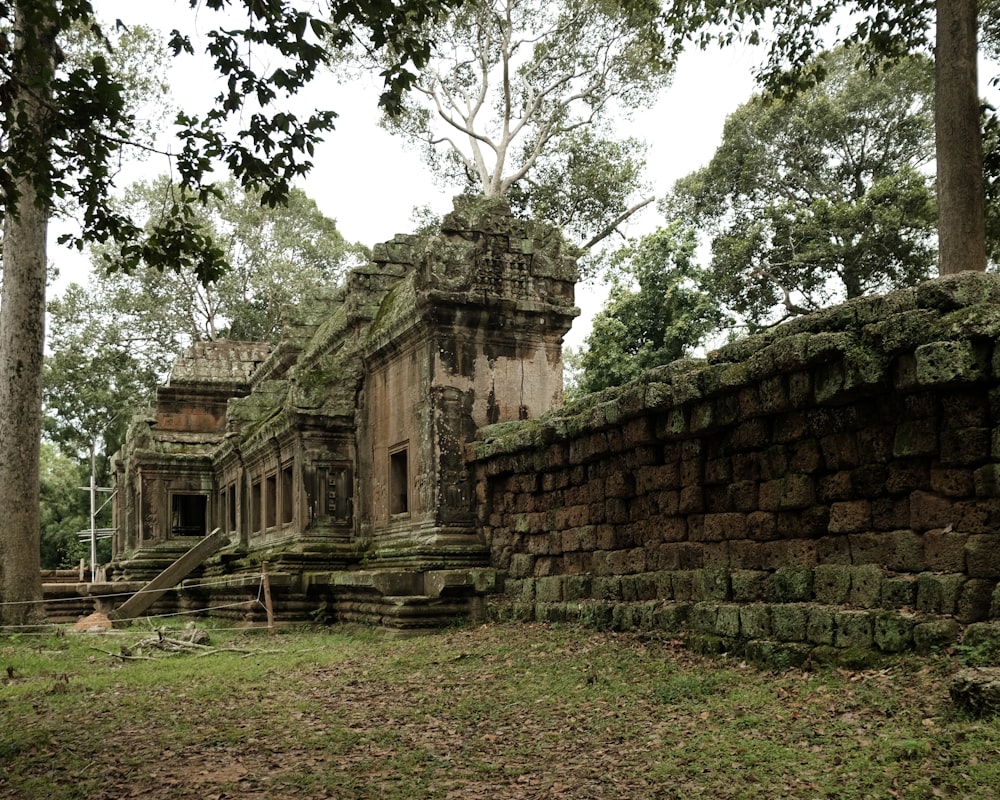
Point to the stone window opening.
(399, 481)
(231, 509)
(187, 514)
(287, 505)
(270, 500)
(255, 505)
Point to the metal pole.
(93, 511)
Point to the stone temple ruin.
(339, 455)
(402, 458)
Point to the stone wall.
(828, 486)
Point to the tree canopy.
(820, 196)
(520, 100)
(658, 310)
(883, 31)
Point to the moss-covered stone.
(820, 625)
(894, 632)
(711, 584)
(832, 583)
(777, 655)
(792, 585)
(854, 629)
(789, 622)
(935, 635)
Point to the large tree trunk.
(22, 332)
(961, 216)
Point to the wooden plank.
(171, 576)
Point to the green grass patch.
(505, 710)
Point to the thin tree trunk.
(22, 337)
(961, 203)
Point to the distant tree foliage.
(278, 257)
(820, 197)
(658, 310)
(883, 31)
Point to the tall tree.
(884, 29)
(522, 97)
(820, 196)
(658, 310)
(63, 126)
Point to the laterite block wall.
(828, 487)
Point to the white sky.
(369, 182)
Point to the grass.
(511, 711)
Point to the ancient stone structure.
(828, 487)
(339, 455)
(824, 489)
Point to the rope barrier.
(235, 580)
(225, 582)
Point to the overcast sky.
(369, 182)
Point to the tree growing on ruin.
(64, 124)
(821, 196)
(884, 29)
(521, 99)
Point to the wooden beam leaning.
(171, 576)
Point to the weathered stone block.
(777, 655)
(907, 554)
(671, 617)
(935, 635)
(682, 583)
(938, 594)
(789, 621)
(944, 551)
(854, 629)
(715, 555)
(549, 590)
(899, 592)
(929, 511)
(975, 600)
(755, 621)
(982, 555)
(965, 446)
(957, 482)
(840, 451)
(890, 513)
(703, 617)
(939, 363)
(522, 565)
(711, 584)
(832, 584)
(981, 643)
(727, 621)
(791, 585)
(852, 516)
(894, 632)
(748, 586)
(820, 626)
(833, 550)
(918, 437)
(788, 493)
(907, 476)
(870, 548)
(977, 691)
(720, 527)
(607, 588)
(577, 587)
(762, 526)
